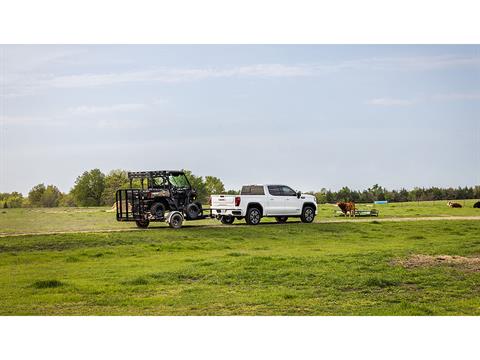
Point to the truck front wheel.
(308, 214)
(253, 216)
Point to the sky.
(311, 117)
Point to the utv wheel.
(308, 214)
(158, 210)
(253, 216)
(227, 219)
(281, 219)
(142, 224)
(193, 211)
(176, 221)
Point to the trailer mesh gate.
(129, 205)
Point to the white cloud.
(94, 110)
(390, 102)
(24, 83)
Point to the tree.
(232, 192)
(14, 200)
(35, 195)
(67, 200)
(89, 187)
(116, 179)
(51, 196)
(199, 185)
(214, 185)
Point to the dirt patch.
(462, 262)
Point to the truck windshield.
(179, 181)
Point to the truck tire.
(176, 221)
(158, 210)
(142, 224)
(308, 214)
(227, 219)
(253, 216)
(281, 219)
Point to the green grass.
(87, 219)
(291, 269)
(410, 209)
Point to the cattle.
(454, 205)
(477, 205)
(348, 208)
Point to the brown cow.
(454, 205)
(348, 208)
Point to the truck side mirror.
(299, 194)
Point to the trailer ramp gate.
(129, 204)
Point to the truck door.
(293, 205)
(275, 201)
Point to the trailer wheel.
(227, 219)
(176, 221)
(253, 216)
(281, 219)
(142, 224)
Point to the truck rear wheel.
(281, 219)
(253, 216)
(227, 219)
(142, 224)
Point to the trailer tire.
(254, 215)
(227, 219)
(175, 221)
(142, 224)
(281, 219)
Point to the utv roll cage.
(150, 175)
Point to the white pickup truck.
(257, 201)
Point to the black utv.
(164, 195)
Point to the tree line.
(94, 188)
(379, 193)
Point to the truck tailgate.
(223, 201)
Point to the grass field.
(372, 268)
(38, 220)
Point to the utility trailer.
(163, 195)
(360, 213)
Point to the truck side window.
(252, 190)
(286, 191)
(274, 190)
